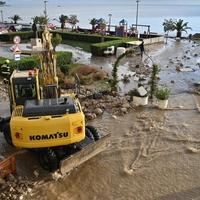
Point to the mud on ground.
(154, 154)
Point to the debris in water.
(36, 173)
(193, 150)
(114, 116)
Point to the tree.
(101, 25)
(93, 22)
(73, 21)
(15, 18)
(41, 20)
(63, 19)
(180, 27)
(168, 25)
(56, 40)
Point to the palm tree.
(180, 27)
(63, 19)
(41, 20)
(73, 21)
(56, 40)
(15, 18)
(93, 22)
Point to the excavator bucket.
(89, 150)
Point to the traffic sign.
(17, 57)
(16, 39)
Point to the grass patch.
(84, 45)
(88, 75)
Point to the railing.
(7, 166)
(18, 111)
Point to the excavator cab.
(23, 86)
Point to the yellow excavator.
(43, 120)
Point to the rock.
(137, 66)
(98, 111)
(142, 78)
(36, 173)
(2, 182)
(90, 116)
(29, 190)
(186, 69)
(195, 55)
(136, 78)
(172, 81)
(21, 197)
(11, 178)
(192, 150)
(178, 68)
(142, 91)
(56, 176)
(124, 110)
(180, 64)
(126, 105)
(114, 116)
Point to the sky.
(186, 2)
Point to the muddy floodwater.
(154, 154)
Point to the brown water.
(150, 154)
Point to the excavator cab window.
(27, 91)
(24, 91)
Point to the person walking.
(141, 49)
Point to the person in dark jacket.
(141, 49)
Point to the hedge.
(8, 37)
(63, 59)
(91, 38)
(98, 48)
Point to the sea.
(150, 12)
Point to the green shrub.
(2, 60)
(8, 37)
(98, 48)
(64, 60)
(65, 68)
(91, 38)
(162, 93)
(26, 63)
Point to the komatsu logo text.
(49, 137)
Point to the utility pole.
(2, 16)
(137, 1)
(45, 9)
(110, 15)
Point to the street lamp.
(2, 16)
(45, 9)
(137, 1)
(109, 15)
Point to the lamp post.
(137, 1)
(110, 15)
(45, 9)
(2, 16)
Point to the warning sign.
(16, 39)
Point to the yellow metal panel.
(47, 131)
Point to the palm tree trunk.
(178, 34)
